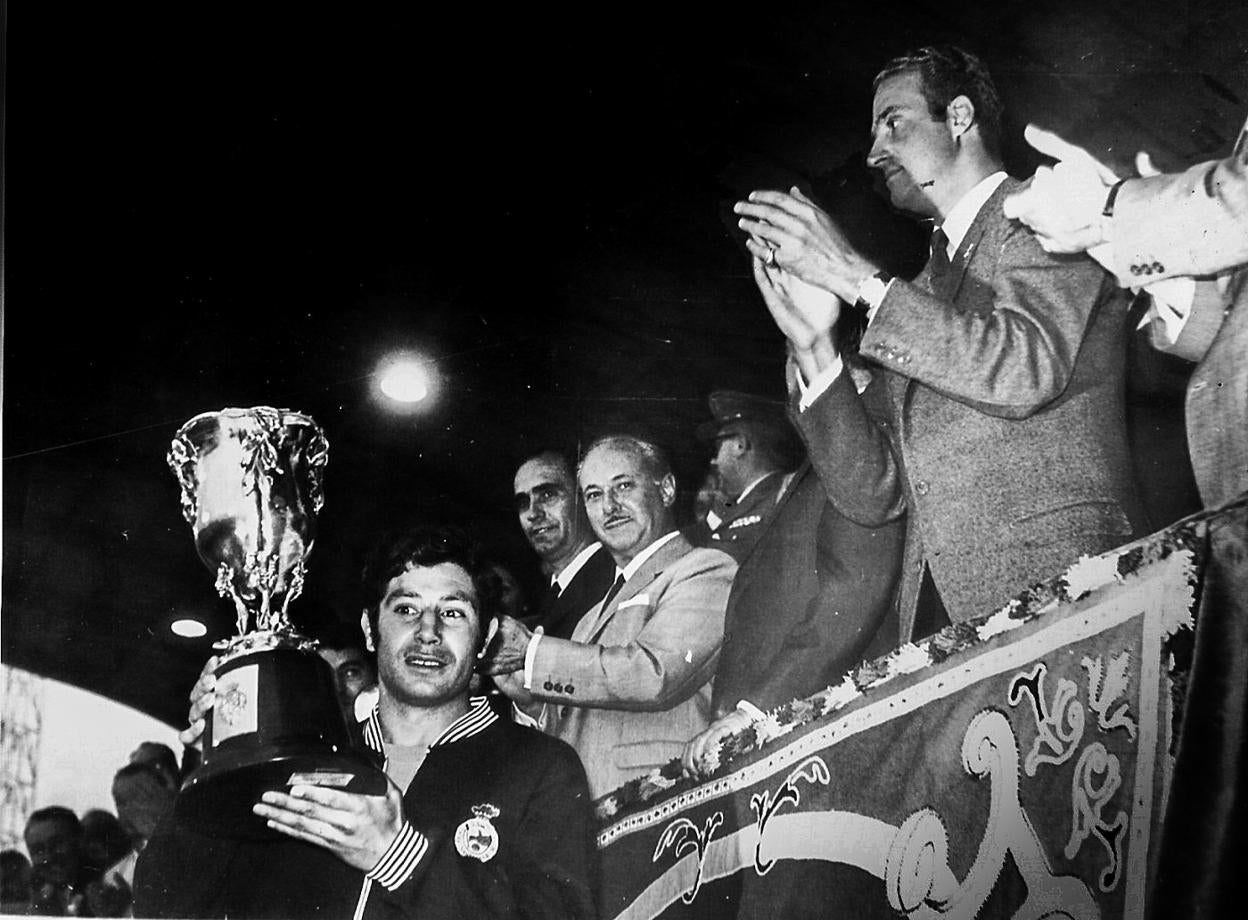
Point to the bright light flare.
(405, 380)
(188, 628)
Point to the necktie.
(938, 265)
(612, 591)
(549, 597)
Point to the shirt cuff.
(873, 295)
(399, 861)
(1171, 306)
(809, 392)
(530, 655)
(749, 709)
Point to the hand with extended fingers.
(358, 829)
(1064, 204)
(789, 230)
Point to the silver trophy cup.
(251, 489)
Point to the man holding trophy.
(478, 817)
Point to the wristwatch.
(871, 292)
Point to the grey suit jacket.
(633, 685)
(1189, 223)
(1216, 337)
(996, 419)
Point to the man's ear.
(959, 116)
(667, 489)
(368, 631)
(489, 637)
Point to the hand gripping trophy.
(251, 489)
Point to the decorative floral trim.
(1086, 575)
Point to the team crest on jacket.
(477, 837)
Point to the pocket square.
(640, 600)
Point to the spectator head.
(103, 841)
(54, 841)
(511, 597)
(161, 757)
(752, 437)
(341, 645)
(549, 509)
(709, 495)
(432, 599)
(935, 110)
(629, 491)
(142, 795)
(14, 880)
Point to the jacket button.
(558, 688)
(569, 689)
(1158, 267)
(921, 487)
(548, 686)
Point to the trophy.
(251, 489)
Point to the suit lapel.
(974, 234)
(642, 578)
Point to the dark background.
(211, 206)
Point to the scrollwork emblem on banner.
(917, 877)
(765, 804)
(1104, 690)
(1059, 724)
(1088, 798)
(681, 836)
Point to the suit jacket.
(995, 419)
(633, 686)
(742, 522)
(810, 600)
(1189, 223)
(558, 616)
(1216, 337)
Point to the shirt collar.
(962, 214)
(477, 719)
(748, 489)
(565, 576)
(640, 559)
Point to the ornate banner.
(1013, 766)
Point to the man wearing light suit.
(632, 685)
(997, 372)
(1152, 232)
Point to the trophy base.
(276, 723)
(217, 798)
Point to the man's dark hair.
(947, 72)
(556, 457)
(57, 813)
(427, 545)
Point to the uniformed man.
(756, 450)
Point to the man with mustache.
(482, 817)
(552, 518)
(994, 416)
(632, 685)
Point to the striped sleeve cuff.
(399, 862)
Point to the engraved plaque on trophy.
(251, 489)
